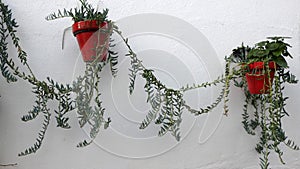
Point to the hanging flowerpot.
(259, 82)
(92, 35)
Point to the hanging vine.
(166, 104)
(50, 90)
(268, 109)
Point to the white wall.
(210, 141)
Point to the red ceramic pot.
(89, 37)
(258, 82)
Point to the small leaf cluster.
(135, 63)
(274, 49)
(166, 106)
(113, 58)
(40, 107)
(7, 26)
(45, 92)
(87, 92)
(85, 12)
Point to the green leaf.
(277, 53)
(261, 44)
(281, 62)
(260, 53)
(272, 46)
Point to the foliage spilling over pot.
(85, 87)
(265, 61)
(268, 107)
(92, 30)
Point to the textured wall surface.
(184, 41)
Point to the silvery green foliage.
(44, 91)
(7, 29)
(49, 90)
(87, 101)
(167, 104)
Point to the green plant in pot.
(265, 105)
(262, 61)
(87, 95)
(92, 30)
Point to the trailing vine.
(268, 109)
(44, 90)
(85, 88)
(167, 104)
(50, 90)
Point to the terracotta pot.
(258, 82)
(89, 37)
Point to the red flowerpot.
(89, 37)
(258, 82)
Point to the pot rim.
(87, 26)
(260, 65)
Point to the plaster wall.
(210, 30)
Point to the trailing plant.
(86, 88)
(262, 113)
(167, 104)
(44, 90)
(87, 92)
(48, 90)
(268, 109)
